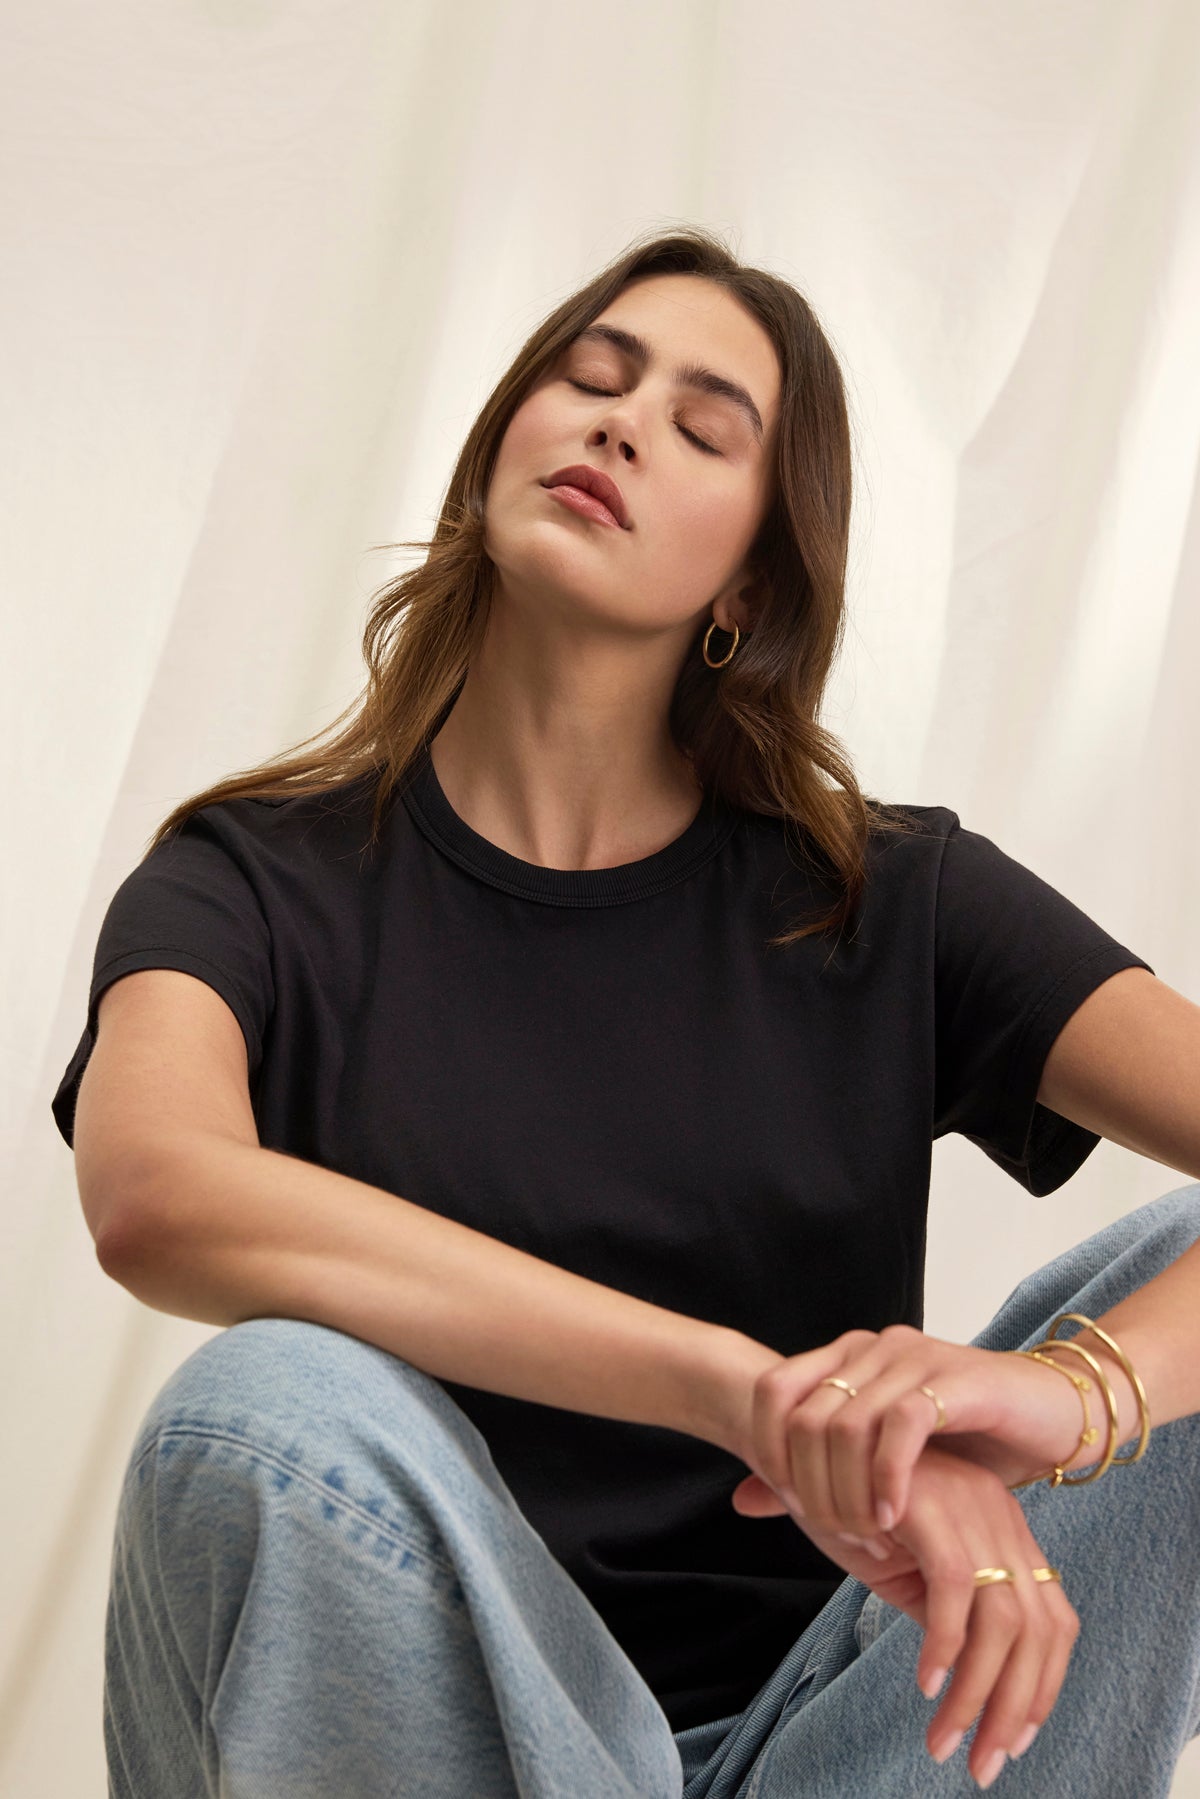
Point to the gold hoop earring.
(733, 646)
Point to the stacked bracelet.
(1058, 1477)
(1122, 1461)
(1089, 1433)
(1110, 1406)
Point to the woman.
(540, 1081)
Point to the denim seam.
(330, 1494)
(760, 1767)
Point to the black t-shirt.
(611, 1069)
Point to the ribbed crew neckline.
(432, 812)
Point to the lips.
(602, 487)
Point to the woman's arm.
(847, 1461)
(1127, 1066)
(221, 1231)
(192, 1215)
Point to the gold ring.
(833, 1381)
(941, 1418)
(1046, 1574)
(990, 1577)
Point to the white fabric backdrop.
(262, 264)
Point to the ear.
(741, 602)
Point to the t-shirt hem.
(186, 961)
(129, 962)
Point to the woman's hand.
(1009, 1645)
(845, 1463)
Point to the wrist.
(721, 1388)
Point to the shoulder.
(892, 819)
(904, 842)
(889, 821)
(296, 828)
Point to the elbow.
(127, 1235)
(119, 1246)
(117, 1204)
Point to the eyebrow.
(687, 374)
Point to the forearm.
(222, 1231)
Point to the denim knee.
(274, 1404)
(279, 1377)
(279, 1464)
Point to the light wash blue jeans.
(322, 1589)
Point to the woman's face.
(692, 512)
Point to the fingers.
(787, 1385)
(905, 1430)
(1009, 1644)
(820, 1441)
(842, 1454)
(1065, 1621)
(997, 1673)
(949, 1597)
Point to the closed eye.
(698, 441)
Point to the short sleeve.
(192, 904)
(1014, 959)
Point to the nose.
(625, 447)
(619, 428)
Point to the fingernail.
(845, 1537)
(931, 1686)
(877, 1549)
(1023, 1741)
(886, 1515)
(991, 1767)
(946, 1749)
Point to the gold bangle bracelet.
(1087, 1436)
(1118, 1461)
(1110, 1405)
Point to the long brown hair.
(750, 730)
